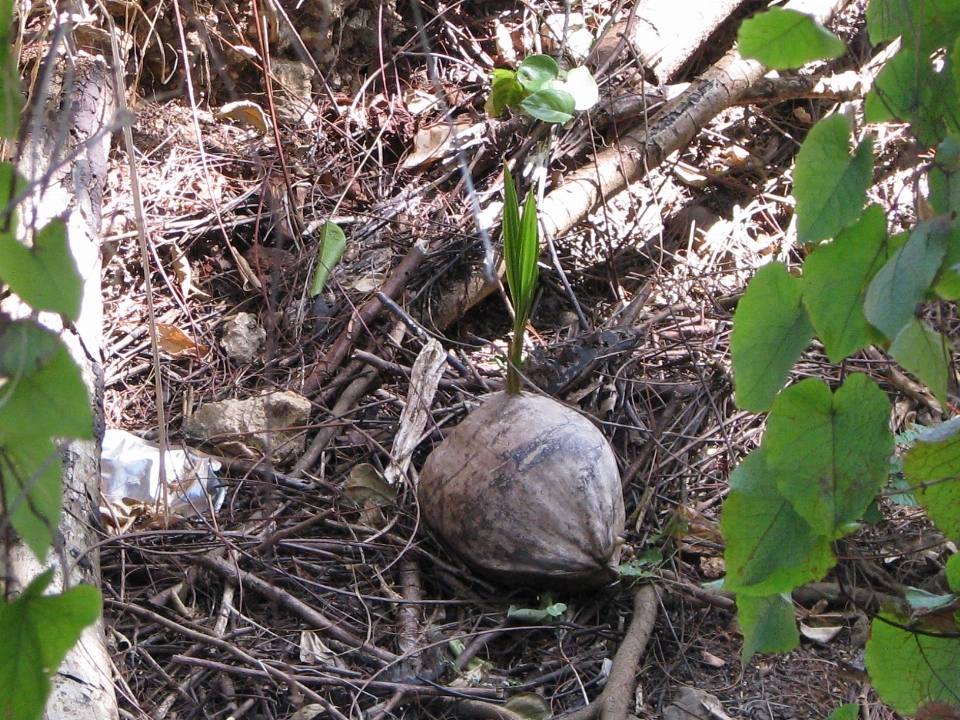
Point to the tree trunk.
(65, 157)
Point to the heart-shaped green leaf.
(536, 71)
(36, 631)
(44, 276)
(550, 105)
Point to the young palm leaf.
(521, 249)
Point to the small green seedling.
(542, 90)
(521, 249)
(547, 612)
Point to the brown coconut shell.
(527, 491)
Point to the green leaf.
(925, 353)
(511, 231)
(30, 476)
(25, 347)
(36, 632)
(932, 23)
(505, 91)
(955, 63)
(44, 276)
(911, 89)
(529, 255)
(535, 616)
(829, 184)
(11, 101)
(850, 711)
(829, 451)
(932, 467)
(902, 282)
(910, 670)
(769, 547)
(536, 71)
(919, 599)
(332, 244)
(898, 483)
(783, 39)
(872, 515)
(835, 277)
(768, 624)
(582, 86)
(529, 706)
(51, 402)
(953, 572)
(944, 182)
(944, 176)
(770, 330)
(550, 105)
(521, 250)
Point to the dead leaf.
(819, 634)
(424, 379)
(184, 273)
(694, 704)
(712, 660)
(309, 712)
(314, 652)
(245, 112)
(503, 40)
(250, 279)
(368, 490)
(530, 706)
(418, 101)
(434, 143)
(175, 342)
(365, 484)
(696, 533)
(369, 283)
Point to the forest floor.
(312, 588)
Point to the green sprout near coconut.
(541, 89)
(526, 490)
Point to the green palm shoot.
(521, 250)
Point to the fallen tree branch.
(662, 38)
(362, 318)
(614, 702)
(647, 146)
(638, 151)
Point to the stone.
(247, 428)
(242, 338)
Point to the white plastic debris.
(130, 480)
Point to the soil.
(300, 591)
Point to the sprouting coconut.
(526, 490)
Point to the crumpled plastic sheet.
(130, 480)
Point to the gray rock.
(249, 427)
(242, 337)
